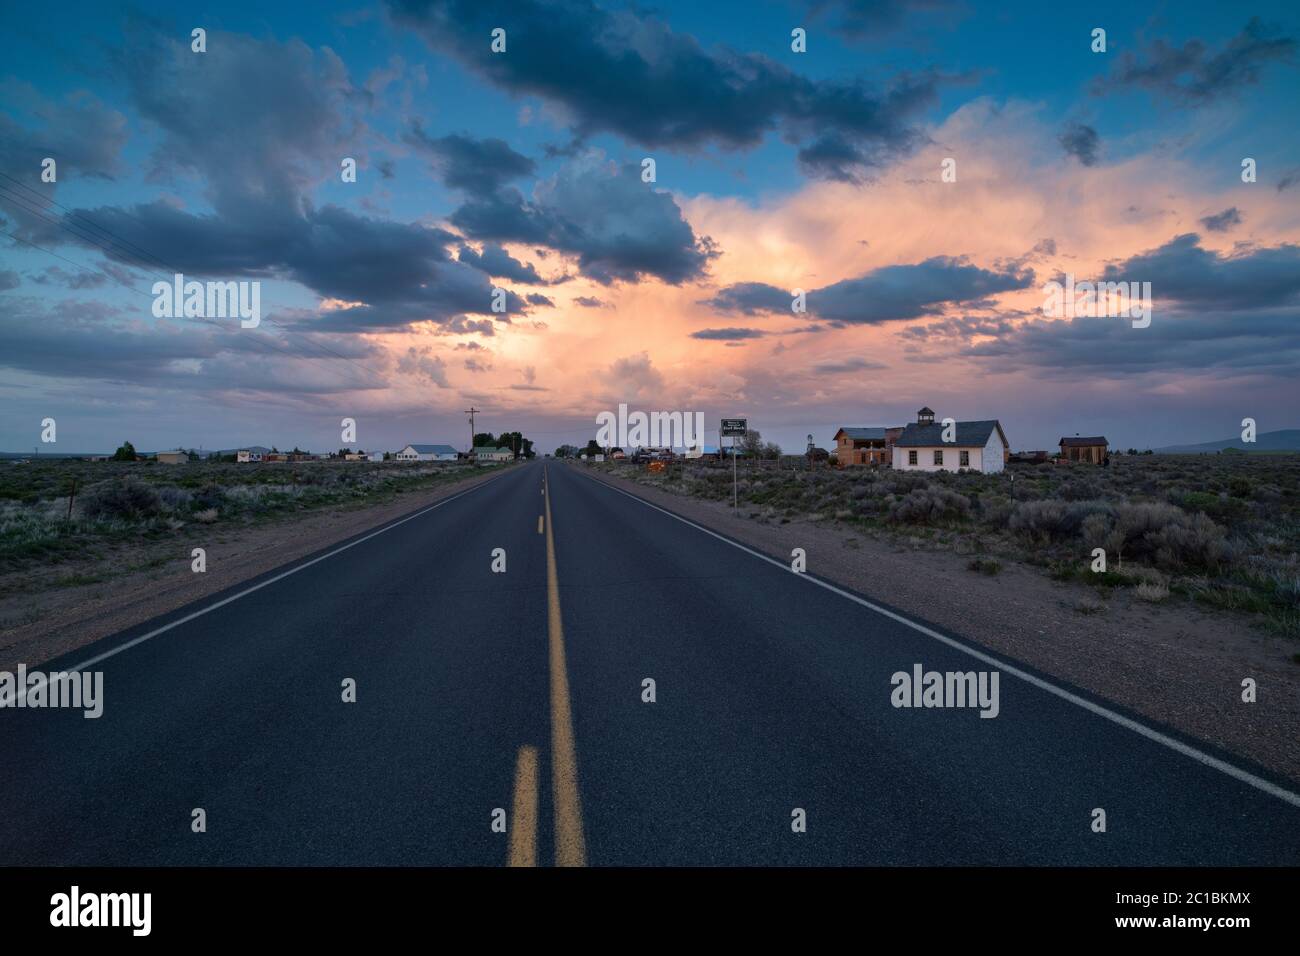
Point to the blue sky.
(520, 170)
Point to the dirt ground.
(1176, 663)
(41, 622)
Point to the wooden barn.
(1091, 450)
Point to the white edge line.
(22, 694)
(1259, 783)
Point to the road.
(522, 691)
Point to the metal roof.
(969, 435)
(1078, 442)
(432, 449)
(876, 434)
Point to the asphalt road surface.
(518, 697)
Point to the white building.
(975, 446)
(426, 453)
(487, 453)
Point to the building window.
(911, 458)
(965, 459)
(938, 457)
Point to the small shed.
(1092, 450)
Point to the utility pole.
(471, 412)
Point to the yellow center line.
(523, 821)
(570, 844)
(540, 526)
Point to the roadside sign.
(734, 426)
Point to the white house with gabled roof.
(975, 446)
(426, 453)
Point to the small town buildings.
(976, 446)
(247, 455)
(488, 453)
(865, 446)
(173, 457)
(426, 453)
(1091, 450)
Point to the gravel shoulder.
(138, 583)
(1175, 663)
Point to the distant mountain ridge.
(1286, 439)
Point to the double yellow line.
(570, 844)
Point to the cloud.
(840, 366)
(863, 18)
(477, 166)
(9, 280)
(84, 136)
(1081, 142)
(617, 227)
(1289, 179)
(887, 294)
(1183, 272)
(1191, 74)
(1183, 343)
(495, 261)
(728, 334)
(420, 362)
(589, 302)
(635, 376)
(661, 88)
(1224, 221)
(751, 298)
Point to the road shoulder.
(1174, 664)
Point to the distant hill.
(1287, 439)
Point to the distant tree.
(592, 448)
(485, 439)
(125, 453)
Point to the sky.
(921, 170)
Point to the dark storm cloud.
(859, 18)
(751, 298)
(728, 335)
(75, 339)
(620, 72)
(1223, 221)
(478, 166)
(258, 164)
(887, 294)
(1254, 341)
(1081, 142)
(495, 261)
(1181, 271)
(617, 227)
(83, 135)
(1191, 74)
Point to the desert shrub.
(174, 499)
(1152, 591)
(1080, 490)
(996, 512)
(127, 500)
(210, 495)
(989, 566)
(1194, 540)
(1052, 519)
(207, 515)
(929, 506)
